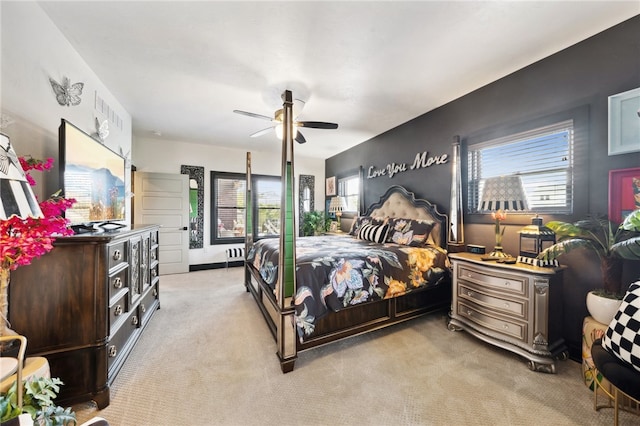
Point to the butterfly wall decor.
(102, 129)
(67, 94)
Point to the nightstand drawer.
(491, 279)
(513, 308)
(508, 328)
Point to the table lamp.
(337, 205)
(501, 194)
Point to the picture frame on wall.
(331, 186)
(624, 193)
(624, 122)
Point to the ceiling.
(181, 68)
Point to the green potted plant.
(612, 244)
(312, 223)
(37, 403)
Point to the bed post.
(455, 236)
(286, 285)
(248, 225)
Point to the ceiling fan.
(278, 118)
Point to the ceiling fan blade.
(298, 104)
(252, 114)
(317, 124)
(300, 138)
(261, 132)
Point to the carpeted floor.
(207, 358)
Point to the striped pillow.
(374, 233)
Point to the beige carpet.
(207, 358)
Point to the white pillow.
(375, 233)
(622, 337)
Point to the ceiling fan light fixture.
(280, 132)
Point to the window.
(543, 158)
(268, 192)
(349, 188)
(228, 207)
(229, 191)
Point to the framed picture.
(624, 193)
(624, 122)
(331, 186)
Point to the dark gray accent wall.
(574, 83)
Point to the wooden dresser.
(84, 305)
(517, 307)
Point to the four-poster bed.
(394, 268)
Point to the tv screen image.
(94, 175)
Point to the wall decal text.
(422, 160)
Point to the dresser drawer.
(511, 329)
(118, 342)
(514, 308)
(497, 281)
(154, 237)
(148, 304)
(118, 311)
(118, 283)
(117, 254)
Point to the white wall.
(33, 49)
(163, 156)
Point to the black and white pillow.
(374, 233)
(622, 337)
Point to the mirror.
(196, 204)
(306, 197)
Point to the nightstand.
(517, 307)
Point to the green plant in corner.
(37, 401)
(612, 244)
(313, 222)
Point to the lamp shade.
(16, 196)
(337, 204)
(503, 193)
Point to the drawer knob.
(505, 326)
(469, 313)
(134, 320)
(117, 282)
(155, 292)
(506, 305)
(117, 255)
(154, 273)
(470, 293)
(118, 310)
(112, 351)
(507, 283)
(143, 308)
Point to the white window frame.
(544, 165)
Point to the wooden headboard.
(398, 202)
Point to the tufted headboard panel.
(400, 203)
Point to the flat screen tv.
(94, 175)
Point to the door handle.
(184, 228)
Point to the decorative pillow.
(363, 220)
(375, 233)
(409, 232)
(622, 337)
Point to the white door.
(163, 199)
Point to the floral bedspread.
(336, 272)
